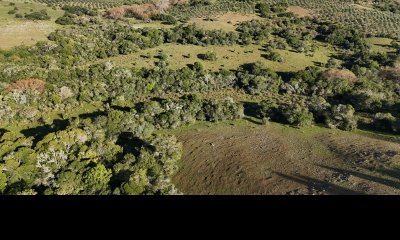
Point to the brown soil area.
(245, 158)
(301, 12)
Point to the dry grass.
(141, 11)
(391, 73)
(361, 7)
(227, 21)
(341, 74)
(244, 158)
(27, 85)
(15, 32)
(380, 44)
(228, 57)
(301, 12)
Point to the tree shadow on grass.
(383, 181)
(251, 109)
(2, 131)
(286, 76)
(319, 185)
(252, 120)
(378, 134)
(92, 115)
(38, 133)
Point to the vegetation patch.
(243, 158)
(299, 11)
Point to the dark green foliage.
(76, 162)
(273, 56)
(342, 117)
(296, 114)
(41, 15)
(268, 108)
(387, 5)
(199, 2)
(191, 34)
(313, 81)
(71, 14)
(266, 9)
(79, 11)
(256, 79)
(346, 38)
(386, 122)
(66, 19)
(226, 110)
(166, 19)
(209, 56)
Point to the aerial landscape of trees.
(74, 122)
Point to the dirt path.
(252, 159)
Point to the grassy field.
(241, 157)
(153, 24)
(226, 22)
(228, 57)
(380, 44)
(15, 32)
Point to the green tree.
(3, 181)
(342, 117)
(96, 180)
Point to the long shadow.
(320, 185)
(389, 183)
(131, 143)
(2, 131)
(394, 173)
(39, 132)
(318, 64)
(286, 76)
(93, 115)
(382, 45)
(123, 109)
(379, 134)
(251, 109)
(252, 120)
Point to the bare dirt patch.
(301, 12)
(361, 7)
(253, 159)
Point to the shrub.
(386, 122)
(79, 11)
(273, 56)
(342, 117)
(166, 19)
(209, 56)
(41, 15)
(296, 114)
(267, 108)
(256, 78)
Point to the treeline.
(99, 40)
(106, 152)
(368, 90)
